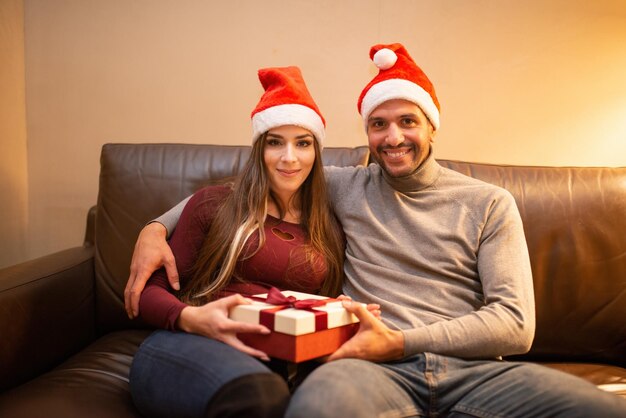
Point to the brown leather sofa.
(66, 343)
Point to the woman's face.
(289, 154)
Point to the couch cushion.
(575, 226)
(608, 378)
(138, 182)
(93, 383)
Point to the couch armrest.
(47, 313)
(90, 230)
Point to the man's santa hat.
(286, 101)
(398, 78)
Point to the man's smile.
(395, 154)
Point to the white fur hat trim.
(397, 88)
(288, 114)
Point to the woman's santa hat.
(398, 78)
(286, 101)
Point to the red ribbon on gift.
(275, 297)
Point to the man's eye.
(408, 122)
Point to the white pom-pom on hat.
(385, 58)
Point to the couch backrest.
(575, 225)
(574, 220)
(138, 182)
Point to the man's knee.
(336, 389)
(262, 395)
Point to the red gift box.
(303, 326)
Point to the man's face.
(399, 136)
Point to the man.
(446, 258)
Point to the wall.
(13, 168)
(535, 82)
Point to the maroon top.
(282, 262)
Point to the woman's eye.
(273, 142)
(305, 144)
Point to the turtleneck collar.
(424, 176)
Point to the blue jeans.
(180, 375)
(429, 385)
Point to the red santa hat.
(398, 78)
(286, 101)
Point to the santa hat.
(286, 101)
(398, 78)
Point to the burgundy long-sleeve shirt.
(285, 261)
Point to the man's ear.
(433, 132)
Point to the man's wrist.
(397, 344)
(156, 227)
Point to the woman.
(281, 232)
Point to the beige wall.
(13, 169)
(534, 82)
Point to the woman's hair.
(244, 211)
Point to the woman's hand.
(211, 320)
(373, 308)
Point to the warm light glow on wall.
(533, 83)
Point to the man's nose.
(394, 135)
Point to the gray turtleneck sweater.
(442, 253)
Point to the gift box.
(303, 326)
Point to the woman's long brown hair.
(244, 211)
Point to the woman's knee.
(177, 374)
(262, 395)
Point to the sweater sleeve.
(170, 218)
(505, 324)
(158, 305)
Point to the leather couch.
(67, 344)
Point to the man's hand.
(151, 252)
(373, 341)
(211, 320)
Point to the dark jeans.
(434, 385)
(184, 375)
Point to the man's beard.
(377, 156)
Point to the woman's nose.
(290, 153)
